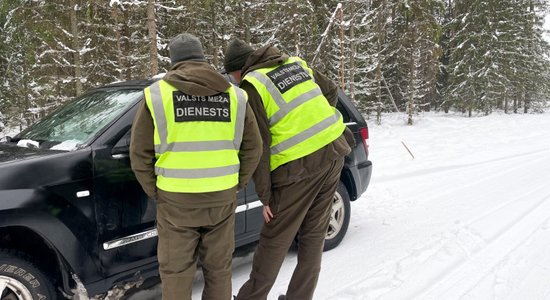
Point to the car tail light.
(364, 131)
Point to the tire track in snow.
(462, 279)
(438, 259)
(442, 169)
(475, 174)
(480, 173)
(523, 274)
(445, 252)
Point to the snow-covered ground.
(467, 218)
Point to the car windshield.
(78, 121)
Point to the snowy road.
(468, 218)
(457, 233)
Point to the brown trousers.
(303, 207)
(188, 234)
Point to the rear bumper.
(361, 174)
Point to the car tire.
(20, 279)
(339, 218)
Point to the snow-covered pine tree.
(427, 51)
(291, 25)
(470, 41)
(532, 64)
(173, 17)
(383, 51)
(413, 53)
(367, 34)
(106, 49)
(445, 20)
(300, 35)
(498, 56)
(59, 66)
(41, 59)
(327, 54)
(15, 63)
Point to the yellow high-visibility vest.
(301, 120)
(197, 138)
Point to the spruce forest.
(468, 56)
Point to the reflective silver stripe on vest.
(160, 116)
(239, 123)
(306, 134)
(303, 98)
(284, 107)
(197, 173)
(195, 146)
(271, 88)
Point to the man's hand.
(267, 213)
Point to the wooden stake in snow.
(407, 149)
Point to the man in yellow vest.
(303, 155)
(195, 143)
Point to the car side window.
(343, 111)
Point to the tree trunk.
(379, 76)
(352, 61)
(379, 113)
(506, 104)
(213, 38)
(76, 47)
(152, 27)
(526, 105)
(126, 46)
(118, 37)
(389, 93)
(379, 93)
(412, 74)
(341, 71)
(247, 34)
(526, 102)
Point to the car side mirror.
(122, 148)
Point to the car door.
(253, 215)
(125, 215)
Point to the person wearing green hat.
(194, 145)
(304, 144)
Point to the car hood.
(11, 152)
(29, 168)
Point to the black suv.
(73, 215)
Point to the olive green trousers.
(188, 235)
(302, 207)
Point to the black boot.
(281, 297)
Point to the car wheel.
(339, 218)
(21, 280)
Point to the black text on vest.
(287, 76)
(214, 108)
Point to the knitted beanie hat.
(185, 46)
(236, 54)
